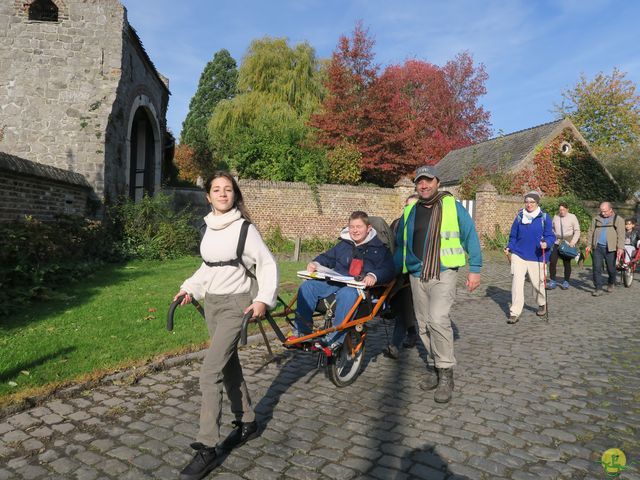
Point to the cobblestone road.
(532, 401)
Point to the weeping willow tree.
(262, 132)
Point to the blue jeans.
(310, 292)
(600, 254)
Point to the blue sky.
(532, 49)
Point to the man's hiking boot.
(597, 293)
(609, 288)
(430, 381)
(392, 352)
(542, 311)
(445, 385)
(203, 462)
(513, 319)
(241, 434)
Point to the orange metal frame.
(346, 323)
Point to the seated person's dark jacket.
(376, 256)
(634, 237)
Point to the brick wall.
(28, 188)
(301, 212)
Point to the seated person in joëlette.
(359, 253)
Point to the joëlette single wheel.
(344, 366)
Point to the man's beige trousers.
(432, 302)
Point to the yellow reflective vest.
(451, 251)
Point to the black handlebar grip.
(172, 310)
(245, 323)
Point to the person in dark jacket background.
(359, 253)
(631, 239)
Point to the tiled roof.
(17, 164)
(506, 151)
(136, 38)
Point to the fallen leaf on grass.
(24, 372)
(151, 310)
(149, 317)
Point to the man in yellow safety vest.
(433, 236)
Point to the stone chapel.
(78, 92)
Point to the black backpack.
(242, 240)
(385, 234)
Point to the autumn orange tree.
(189, 168)
(411, 114)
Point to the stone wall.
(301, 211)
(140, 87)
(66, 88)
(41, 191)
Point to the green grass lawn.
(114, 319)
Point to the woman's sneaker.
(565, 285)
(551, 285)
(513, 319)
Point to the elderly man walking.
(605, 239)
(433, 236)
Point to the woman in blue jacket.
(531, 235)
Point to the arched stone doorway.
(143, 149)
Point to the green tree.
(625, 168)
(345, 164)
(262, 132)
(217, 82)
(605, 109)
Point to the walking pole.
(506, 254)
(544, 284)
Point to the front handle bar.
(243, 332)
(174, 305)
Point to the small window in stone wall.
(43, 11)
(69, 208)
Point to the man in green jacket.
(433, 236)
(605, 239)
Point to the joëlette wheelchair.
(627, 267)
(343, 364)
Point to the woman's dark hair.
(238, 200)
(631, 220)
(563, 204)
